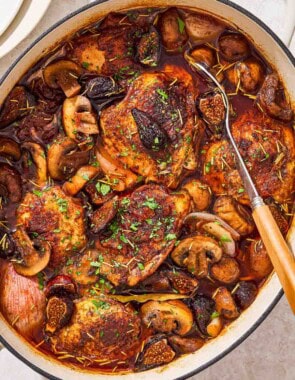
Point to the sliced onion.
(141, 298)
(206, 216)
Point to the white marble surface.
(269, 353)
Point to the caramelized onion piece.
(63, 74)
(185, 345)
(248, 73)
(58, 313)
(214, 327)
(204, 55)
(9, 148)
(156, 352)
(222, 235)
(35, 255)
(10, 183)
(120, 177)
(39, 158)
(142, 298)
(21, 301)
(205, 216)
(79, 180)
(167, 316)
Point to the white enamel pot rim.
(270, 293)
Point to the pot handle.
(289, 22)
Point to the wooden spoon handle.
(278, 251)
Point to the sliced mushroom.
(151, 134)
(201, 27)
(259, 260)
(78, 117)
(79, 180)
(203, 308)
(120, 178)
(195, 253)
(149, 48)
(227, 270)
(156, 352)
(58, 313)
(167, 316)
(39, 158)
(215, 326)
(224, 237)
(185, 345)
(65, 158)
(10, 183)
(172, 29)
(63, 74)
(17, 104)
(225, 303)
(233, 213)
(233, 46)
(35, 255)
(211, 107)
(60, 285)
(9, 148)
(272, 99)
(245, 293)
(247, 75)
(200, 194)
(102, 216)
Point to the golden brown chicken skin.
(57, 218)
(100, 329)
(268, 148)
(109, 53)
(155, 101)
(142, 234)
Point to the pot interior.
(270, 292)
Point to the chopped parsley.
(151, 203)
(140, 266)
(38, 193)
(100, 304)
(181, 25)
(170, 237)
(85, 65)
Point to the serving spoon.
(280, 255)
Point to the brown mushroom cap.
(9, 148)
(77, 117)
(259, 260)
(10, 183)
(185, 345)
(33, 260)
(39, 158)
(233, 46)
(63, 74)
(64, 158)
(195, 253)
(167, 316)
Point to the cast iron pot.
(271, 292)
